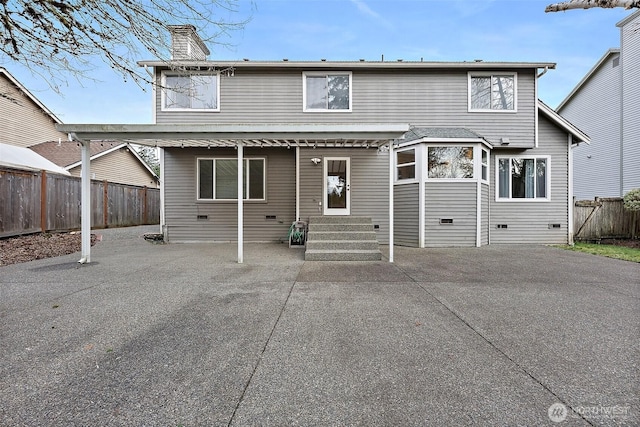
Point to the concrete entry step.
(342, 238)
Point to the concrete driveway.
(181, 335)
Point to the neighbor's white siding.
(595, 109)
(22, 121)
(630, 48)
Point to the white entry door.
(337, 199)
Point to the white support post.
(391, 176)
(240, 203)
(85, 204)
(162, 188)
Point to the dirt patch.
(38, 246)
(629, 243)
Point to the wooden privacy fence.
(604, 218)
(33, 201)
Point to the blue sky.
(432, 30)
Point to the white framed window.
(484, 165)
(218, 179)
(495, 92)
(406, 164)
(190, 92)
(450, 162)
(326, 91)
(525, 178)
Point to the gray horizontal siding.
(369, 184)
(485, 219)
(631, 105)
(595, 109)
(406, 210)
(528, 221)
(451, 200)
(422, 98)
(22, 121)
(182, 209)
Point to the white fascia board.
(445, 140)
(29, 94)
(474, 65)
(231, 131)
(563, 123)
(587, 76)
(141, 160)
(96, 156)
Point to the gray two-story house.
(425, 153)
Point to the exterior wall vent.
(446, 220)
(502, 226)
(200, 217)
(270, 217)
(554, 226)
(615, 62)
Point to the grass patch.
(610, 251)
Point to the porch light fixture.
(315, 160)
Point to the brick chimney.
(186, 43)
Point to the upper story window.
(406, 164)
(326, 91)
(523, 178)
(450, 162)
(492, 92)
(190, 92)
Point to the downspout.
(570, 200)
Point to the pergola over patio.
(238, 136)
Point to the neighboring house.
(606, 105)
(24, 159)
(435, 153)
(24, 120)
(111, 161)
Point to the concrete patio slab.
(183, 335)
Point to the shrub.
(632, 200)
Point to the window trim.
(472, 74)
(473, 147)
(163, 87)
(246, 178)
(397, 165)
(326, 73)
(483, 165)
(511, 199)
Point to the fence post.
(43, 201)
(105, 203)
(145, 220)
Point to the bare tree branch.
(59, 39)
(588, 4)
